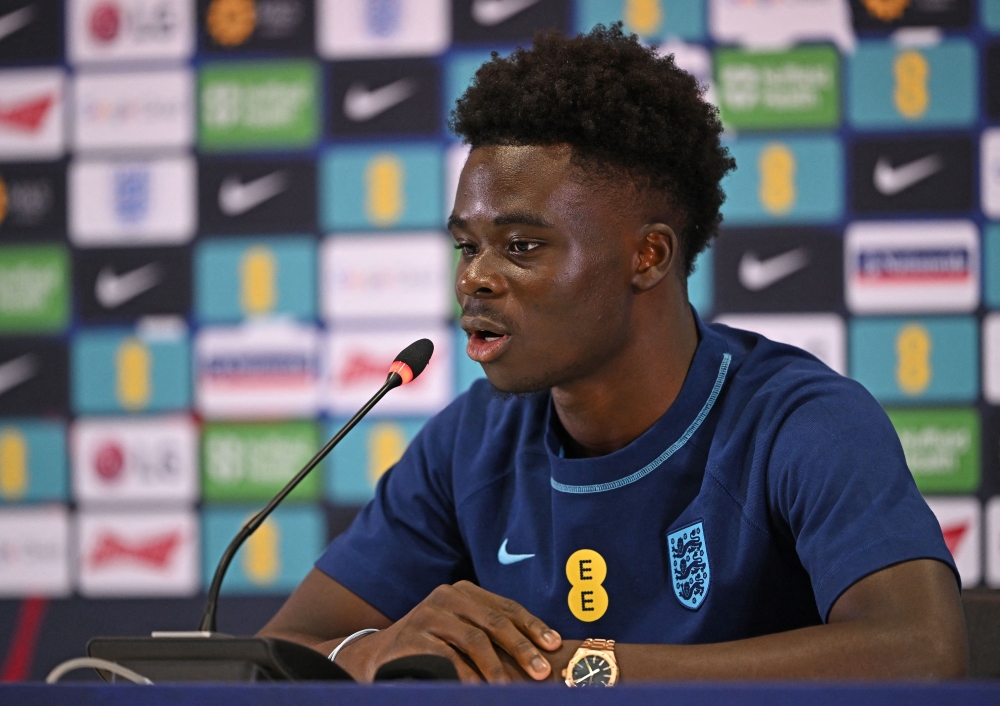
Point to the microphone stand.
(208, 623)
(206, 655)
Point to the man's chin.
(506, 387)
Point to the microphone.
(207, 656)
(410, 362)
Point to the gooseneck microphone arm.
(409, 363)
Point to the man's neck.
(610, 409)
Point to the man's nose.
(481, 277)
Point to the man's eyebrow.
(519, 218)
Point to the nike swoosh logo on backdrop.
(18, 19)
(361, 104)
(504, 558)
(16, 371)
(756, 274)
(492, 12)
(236, 198)
(114, 290)
(890, 180)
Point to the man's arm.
(904, 621)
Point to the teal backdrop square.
(818, 180)
(952, 84)
(991, 266)
(953, 358)
(347, 480)
(700, 284)
(678, 18)
(94, 375)
(218, 283)
(989, 13)
(45, 466)
(343, 189)
(301, 538)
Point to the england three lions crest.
(689, 570)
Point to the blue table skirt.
(416, 694)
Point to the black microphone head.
(412, 360)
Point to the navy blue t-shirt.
(768, 488)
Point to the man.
(718, 504)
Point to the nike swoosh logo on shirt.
(114, 290)
(362, 104)
(236, 198)
(504, 558)
(16, 371)
(756, 274)
(890, 180)
(492, 12)
(18, 19)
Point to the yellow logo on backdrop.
(13, 464)
(911, 95)
(643, 16)
(586, 571)
(776, 167)
(885, 10)
(386, 444)
(231, 22)
(913, 359)
(134, 384)
(384, 196)
(262, 554)
(258, 280)
(3, 200)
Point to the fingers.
(490, 621)
(539, 633)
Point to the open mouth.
(485, 346)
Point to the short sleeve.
(838, 478)
(405, 542)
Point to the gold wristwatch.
(593, 664)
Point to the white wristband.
(359, 633)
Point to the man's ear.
(658, 253)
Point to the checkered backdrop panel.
(219, 220)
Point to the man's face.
(544, 271)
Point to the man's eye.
(522, 246)
(468, 249)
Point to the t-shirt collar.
(656, 445)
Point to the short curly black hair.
(619, 105)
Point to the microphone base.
(201, 657)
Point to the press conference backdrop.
(220, 220)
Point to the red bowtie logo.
(27, 116)
(155, 552)
(953, 535)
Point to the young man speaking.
(716, 504)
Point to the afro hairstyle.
(624, 110)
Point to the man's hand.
(470, 626)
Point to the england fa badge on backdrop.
(689, 570)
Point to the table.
(431, 694)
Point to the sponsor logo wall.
(220, 220)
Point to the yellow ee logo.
(134, 384)
(643, 16)
(913, 359)
(911, 96)
(586, 571)
(384, 194)
(776, 170)
(885, 10)
(262, 554)
(258, 277)
(13, 464)
(231, 22)
(386, 444)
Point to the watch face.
(592, 670)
